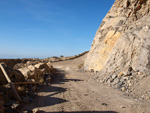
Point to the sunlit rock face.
(122, 40)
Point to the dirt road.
(78, 92)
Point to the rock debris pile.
(18, 83)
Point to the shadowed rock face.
(13, 74)
(122, 40)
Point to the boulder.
(14, 75)
(36, 70)
(10, 62)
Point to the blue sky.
(45, 28)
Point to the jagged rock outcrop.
(122, 40)
(120, 52)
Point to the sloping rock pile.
(14, 74)
(35, 70)
(11, 62)
(24, 78)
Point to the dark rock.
(104, 104)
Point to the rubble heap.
(35, 70)
(18, 83)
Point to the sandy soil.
(78, 92)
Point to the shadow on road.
(81, 112)
(47, 96)
(46, 100)
(49, 100)
(61, 77)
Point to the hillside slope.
(120, 52)
(122, 39)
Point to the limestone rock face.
(122, 40)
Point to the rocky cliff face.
(123, 39)
(120, 52)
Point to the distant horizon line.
(40, 57)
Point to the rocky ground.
(19, 79)
(77, 91)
